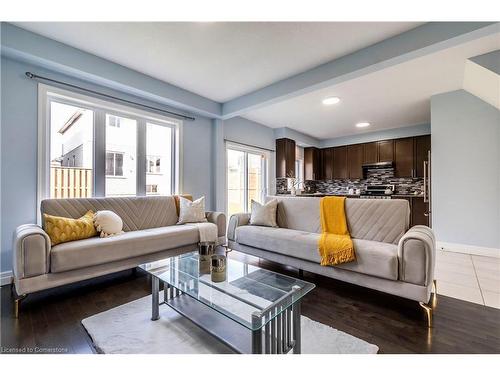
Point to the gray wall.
(241, 130)
(19, 152)
(465, 169)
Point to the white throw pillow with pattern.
(264, 214)
(191, 212)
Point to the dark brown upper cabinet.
(422, 148)
(385, 150)
(355, 161)
(404, 165)
(285, 157)
(370, 154)
(327, 163)
(340, 162)
(312, 163)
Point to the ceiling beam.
(420, 41)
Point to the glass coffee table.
(252, 311)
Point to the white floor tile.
(481, 258)
(488, 274)
(450, 257)
(487, 266)
(491, 299)
(492, 285)
(464, 279)
(455, 267)
(460, 292)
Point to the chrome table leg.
(155, 303)
(257, 334)
(296, 328)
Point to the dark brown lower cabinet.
(418, 211)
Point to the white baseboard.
(5, 278)
(469, 249)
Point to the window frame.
(101, 108)
(265, 170)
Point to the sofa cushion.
(384, 220)
(136, 212)
(372, 258)
(93, 251)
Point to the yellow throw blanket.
(335, 244)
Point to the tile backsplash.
(374, 177)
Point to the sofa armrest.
(236, 220)
(219, 219)
(31, 247)
(417, 255)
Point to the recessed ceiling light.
(331, 100)
(362, 124)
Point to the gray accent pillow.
(264, 214)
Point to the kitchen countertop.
(351, 195)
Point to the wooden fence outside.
(70, 182)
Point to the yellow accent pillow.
(64, 229)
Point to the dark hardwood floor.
(50, 320)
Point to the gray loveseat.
(390, 257)
(150, 234)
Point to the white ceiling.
(219, 60)
(391, 98)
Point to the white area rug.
(128, 329)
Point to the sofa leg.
(428, 310)
(17, 304)
(434, 295)
(301, 273)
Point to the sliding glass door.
(246, 178)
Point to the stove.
(378, 192)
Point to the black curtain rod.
(37, 77)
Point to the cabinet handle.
(426, 214)
(425, 182)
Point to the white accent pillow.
(108, 223)
(191, 212)
(264, 214)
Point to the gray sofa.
(150, 234)
(390, 257)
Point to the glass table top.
(250, 295)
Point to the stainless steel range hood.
(381, 165)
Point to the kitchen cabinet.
(370, 154)
(340, 162)
(422, 147)
(404, 165)
(312, 163)
(285, 157)
(385, 150)
(355, 161)
(419, 211)
(327, 163)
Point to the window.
(90, 147)
(114, 164)
(246, 172)
(121, 156)
(114, 121)
(152, 189)
(154, 164)
(159, 160)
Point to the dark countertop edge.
(348, 195)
